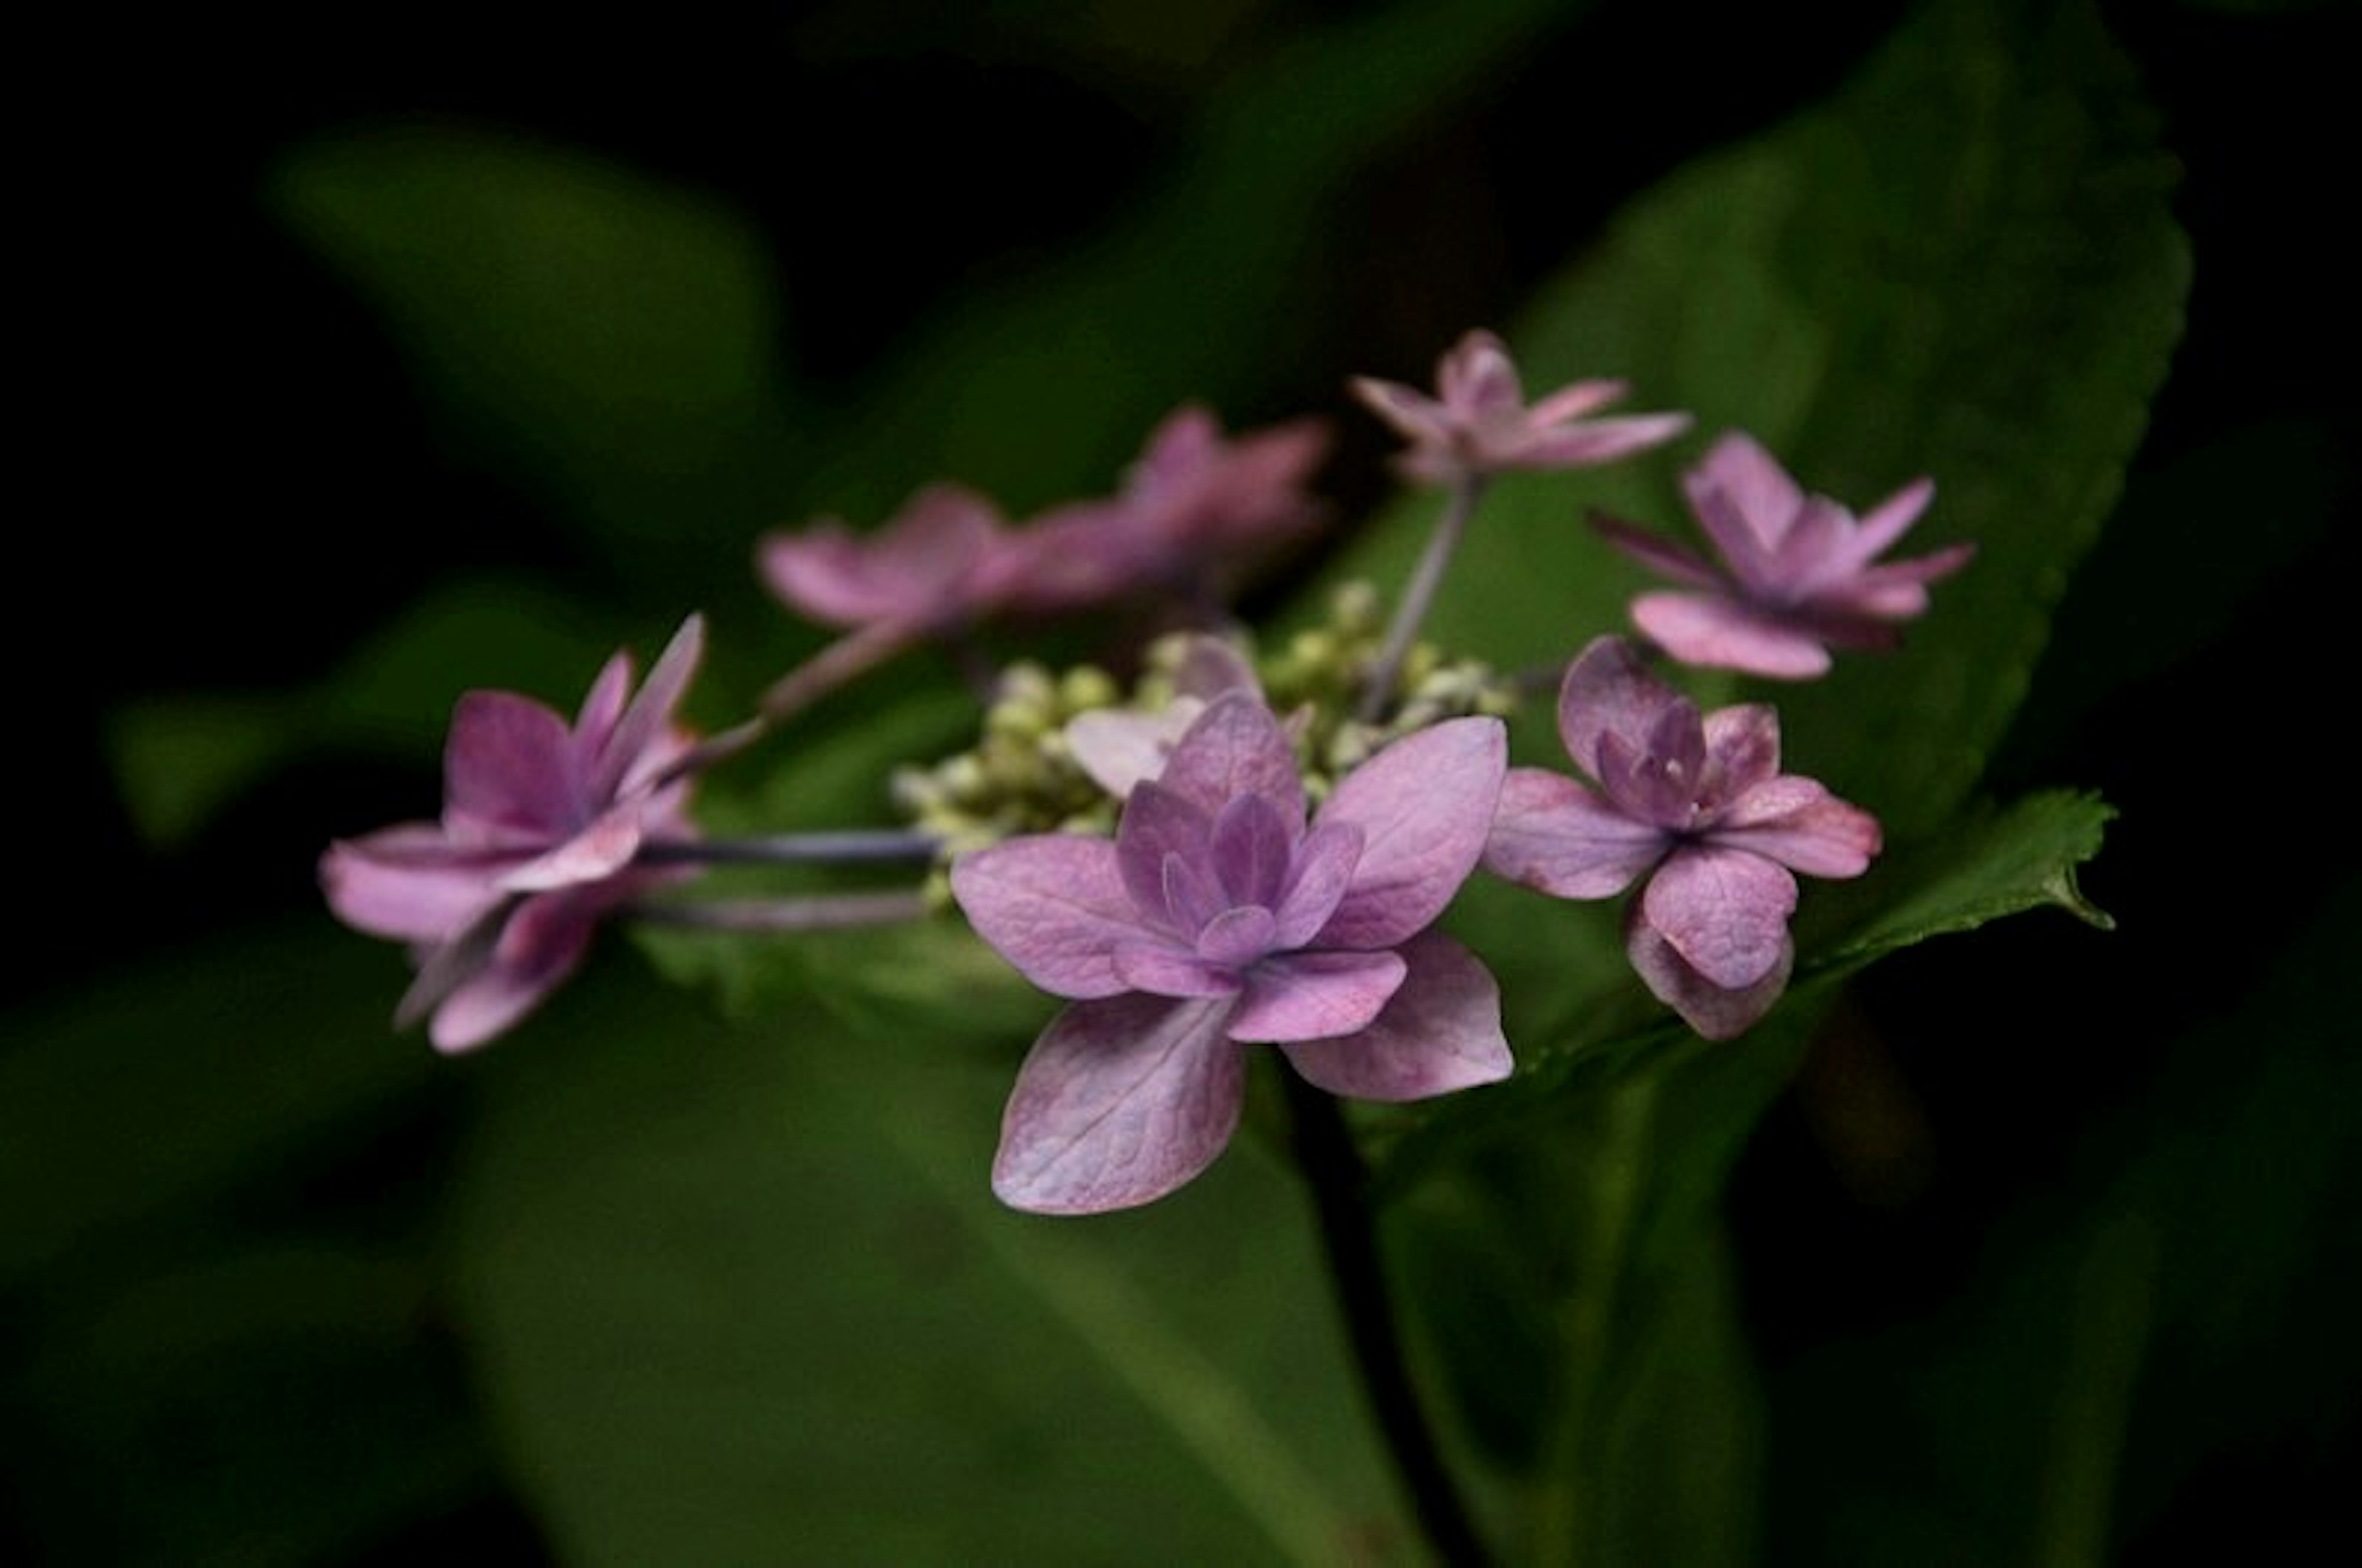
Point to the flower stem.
(1332, 1166)
(1418, 594)
(794, 848)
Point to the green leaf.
(611, 337)
(743, 1298)
(179, 1081)
(265, 1403)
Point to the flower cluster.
(1214, 853)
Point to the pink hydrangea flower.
(1119, 748)
(1479, 423)
(1799, 575)
(1217, 918)
(947, 558)
(542, 824)
(1696, 807)
(1197, 508)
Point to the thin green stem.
(1332, 1166)
(824, 911)
(1418, 594)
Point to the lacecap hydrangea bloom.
(542, 826)
(1799, 574)
(1219, 919)
(1696, 807)
(1479, 423)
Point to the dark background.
(233, 477)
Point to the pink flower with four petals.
(1695, 806)
(542, 826)
(1219, 919)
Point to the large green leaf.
(613, 339)
(187, 1079)
(744, 1298)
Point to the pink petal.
(1799, 824)
(1120, 1102)
(1052, 905)
(409, 883)
(598, 852)
(1165, 969)
(1759, 489)
(1235, 748)
(1317, 883)
(510, 774)
(1713, 1011)
(1724, 911)
(1120, 749)
(1599, 440)
(1412, 412)
(1424, 806)
(603, 704)
(1743, 747)
(1681, 564)
(543, 943)
(641, 740)
(1159, 826)
(1310, 995)
(1888, 521)
(1477, 374)
(1553, 835)
(1721, 633)
(1440, 1031)
(1609, 689)
(1572, 401)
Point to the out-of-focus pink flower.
(1479, 423)
(542, 824)
(1698, 808)
(1197, 512)
(947, 558)
(1799, 575)
(1219, 919)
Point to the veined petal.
(1310, 995)
(1317, 883)
(1159, 825)
(1165, 969)
(1743, 747)
(1796, 822)
(1724, 911)
(1552, 834)
(1424, 806)
(1235, 748)
(1052, 905)
(1441, 1030)
(1608, 687)
(1715, 1012)
(1120, 1102)
(1720, 633)
(1249, 848)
